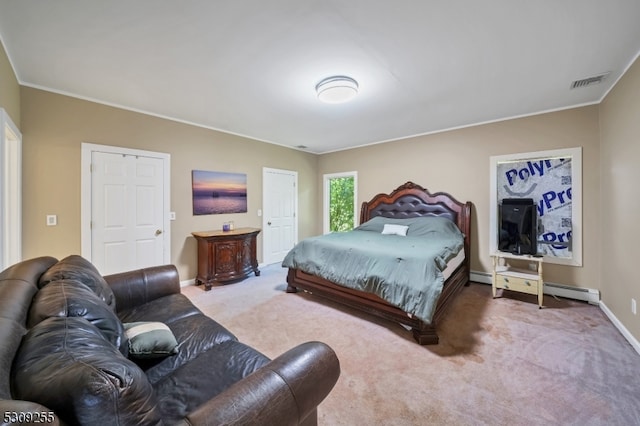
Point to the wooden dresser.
(225, 256)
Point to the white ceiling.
(249, 67)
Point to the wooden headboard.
(412, 200)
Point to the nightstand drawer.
(523, 285)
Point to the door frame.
(86, 193)
(293, 173)
(11, 191)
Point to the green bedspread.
(406, 271)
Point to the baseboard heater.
(588, 295)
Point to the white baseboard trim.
(187, 283)
(577, 293)
(192, 281)
(627, 335)
(481, 277)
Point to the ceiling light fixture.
(337, 89)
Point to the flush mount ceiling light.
(337, 89)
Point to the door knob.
(158, 232)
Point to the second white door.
(280, 222)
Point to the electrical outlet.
(633, 306)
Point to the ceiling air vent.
(589, 81)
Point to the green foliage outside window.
(341, 204)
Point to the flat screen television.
(518, 226)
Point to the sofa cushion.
(196, 334)
(77, 268)
(165, 309)
(71, 298)
(187, 387)
(66, 365)
(148, 339)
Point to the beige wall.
(457, 162)
(620, 169)
(9, 88)
(55, 127)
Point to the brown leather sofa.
(65, 356)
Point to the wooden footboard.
(424, 334)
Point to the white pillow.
(390, 228)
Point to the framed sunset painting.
(218, 192)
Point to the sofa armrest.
(286, 391)
(134, 288)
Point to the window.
(340, 197)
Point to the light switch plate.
(52, 220)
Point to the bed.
(403, 205)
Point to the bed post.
(290, 279)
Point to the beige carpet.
(499, 362)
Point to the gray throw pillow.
(150, 339)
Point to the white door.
(280, 205)
(127, 209)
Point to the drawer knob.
(506, 280)
(527, 283)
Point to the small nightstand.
(521, 273)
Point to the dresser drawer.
(523, 285)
